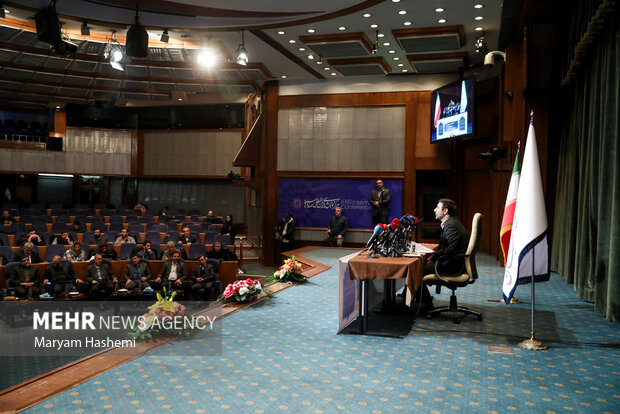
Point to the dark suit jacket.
(63, 275)
(454, 241)
(130, 270)
(384, 202)
(186, 240)
(57, 239)
(207, 273)
(181, 271)
(91, 274)
(34, 257)
(290, 231)
(21, 274)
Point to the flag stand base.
(532, 344)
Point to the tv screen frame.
(449, 118)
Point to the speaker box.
(137, 42)
(48, 26)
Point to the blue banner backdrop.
(312, 201)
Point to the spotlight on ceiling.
(137, 44)
(85, 29)
(481, 44)
(242, 53)
(375, 44)
(114, 52)
(164, 36)
(207, 57)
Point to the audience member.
(32, 237)
(146, 251)
(221, 254)
(172, 275)
(98, 238)
(24, 279)
(202, 281)
(212, 218)
(337, 229)
(28, 252)
(228, 229)
(59, 277)
(167, 254)
(186, 237)
(106, 252)
(141, 208)
(63, 238)
(124, 237)
(137, 274)
(75, 253)
(286, 231)
(77, 227)
(7, 219)
(99, 278)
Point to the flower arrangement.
(160, 319)
(289, 272)
(241, 291)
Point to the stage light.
(207, 57)
(375, 44)
(481, 44)
(164, 36)
(113, 52)
(242, 53)
(85, 29)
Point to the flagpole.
(533, 343)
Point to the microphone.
(395, 223)
(376, 235)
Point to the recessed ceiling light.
(281, 32)
(395, 1)
(291, 41)
(327, 68)
(333, 73)
(441, 21)
(402, 12)
(401, 65)
(301, 49)
(392, 51)
(310, 57)
(310, 30)
(319, 62)
(478, 18)
(396, 58)
(374, 26)
(366, 15)
(407, 23)
(283, 76)
(179, 99)
(478, 6)
(405, 70)
(478, 29)
(386, 43)
(342, 28)
(380, 35)
(439, 10)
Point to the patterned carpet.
(284, 355)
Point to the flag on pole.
(528, 254)
(7, 194)
(437, 110)
(463, 97)
(509, 207)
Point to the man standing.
(380, 204)
(337, 228)
(286, 231)
(453, 241)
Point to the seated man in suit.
(221, 254)
(31, 237)
(59, 278)
(28, 251)
(98, 237)
(24, 279)
(99, 279)
(172, 275)
(202, 281)
(137, 274)
(453, 241)
(63, 238)
(146, 251)
(124, 237)
(186, 237)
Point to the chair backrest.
(472, 247)
(196, 250)
(225, 239)
(116, 219)
(101, 226)
(126, 249)
(54, 250)
(131, 219)
(8, 271)
(39, 227)
(173, 226)
(86, 236)
(215, 263)
(216, 227)
(153, 236)
(5, 239)
(210, 237)
(59, 227)
(7, 252)
(135, 228)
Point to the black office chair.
(467, 277)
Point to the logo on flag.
(528, 254)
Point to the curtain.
(586, 234)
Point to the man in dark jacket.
(380, 204)
(60, 277)
(337, 228)
(286, 230)
(220, 253)
(202, 283)
(173, 274)
(28, 251)
(137, 274)
(99, 278)
(24, 279)
(453, 242)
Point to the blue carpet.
(283, 355)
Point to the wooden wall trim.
(346, 99)
(341, 174)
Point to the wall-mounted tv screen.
(453, 110)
